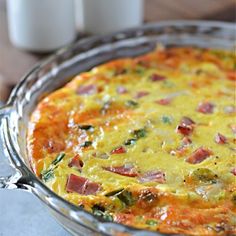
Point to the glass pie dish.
(58, 70)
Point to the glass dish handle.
(9, 176)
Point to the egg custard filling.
(148, 141)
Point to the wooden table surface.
(14, 63)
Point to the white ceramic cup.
(79, 15)
(104, 16)
(41, 25)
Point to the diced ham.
(81, 185)
(123, 170)
(156, 77)
(75, 184)
(185, 130)
(233, 171)
(206, 107)
(153, 176)
(91, 188)
(164, 101)
(141, 94)
(87, 89)
(186, 121)
(76, 162)
(220, 139)
(186, 126)
(199, 155)
(118, 150)
(121, 90)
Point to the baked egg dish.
(147, 141)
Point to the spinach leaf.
(139, 133)
(131, 103)
(204, 175)
(166, 120)
(100, 212)
(140, 70)
(86, 144)
(58, 158)
(114, 192)
(151, 222)
(131, 141)
(126, 197)
(87, 127)
(47, 175)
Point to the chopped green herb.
(219, 196)
(98, 207)
(87, 127)
(138, 218)
(100, 212)
(131, 141)
(204, 175)
(166, 120)
(115, 192)
(167, 84)
(47, 175)
(131, 103)
(107, 217)
(58, 158)
(86, 144)
(220, 54)
(140, 70)
(139, 133)
(151, 222)
(126, 197)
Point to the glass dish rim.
(28, 181)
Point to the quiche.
(147, 141)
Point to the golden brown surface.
(147, 142)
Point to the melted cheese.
(126, 95)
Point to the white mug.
(105, 16)
(41, 25)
